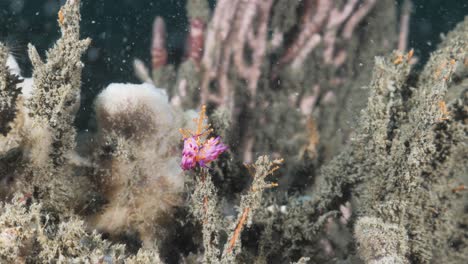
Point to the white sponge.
(134, 110)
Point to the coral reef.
(374, 175)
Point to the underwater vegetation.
(283, 136)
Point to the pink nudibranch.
(193, 154)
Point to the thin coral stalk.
(404, 25)
(238, 230)
(158, 46)
(216, 48)
(357, 17)
(335, 20)
(195, 41)
(236, 26)
(250, 202)
(313, 23)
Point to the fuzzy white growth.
(27, 87)
(145, 178)
(27, 83)
(134, 110)
(13, 65)
(118, 95)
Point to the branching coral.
(403, 172)
(47, 132)
(206, 209)
(239, 61)
(57, 83)
(413, 144)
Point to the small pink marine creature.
(198, 149)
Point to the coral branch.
(196, 40)
(198, 12)
(313, 22)
(250, 203)
(238, 229)
(55, 98)
(158, 46)
(236, 27)
(404, 25)
(52, 106)
(216, 56)
(205, 208)
(357, 17)
(141, 71)
(335, 20)
(321, 22)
